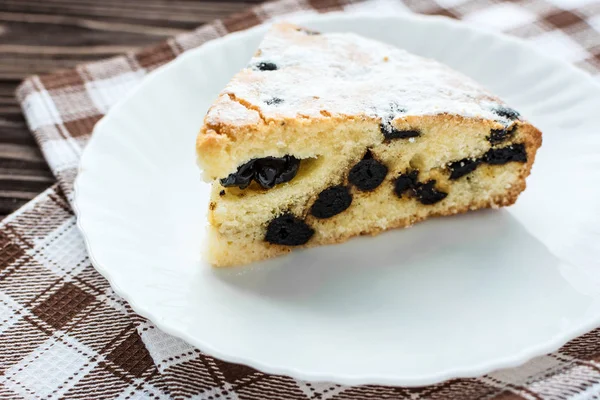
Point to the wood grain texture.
(39, 36)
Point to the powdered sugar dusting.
(231, 112)
(346, 74)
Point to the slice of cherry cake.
(328, 136)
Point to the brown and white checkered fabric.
(65, 334)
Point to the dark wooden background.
(38, 36)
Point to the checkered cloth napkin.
(65, 334)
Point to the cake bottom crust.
(226, 252)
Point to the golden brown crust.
(225, 147)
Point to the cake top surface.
(299, 73)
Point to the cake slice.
(328, 136)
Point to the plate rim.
(483, 368)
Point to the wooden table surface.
(38, 36)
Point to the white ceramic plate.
(452, 297)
